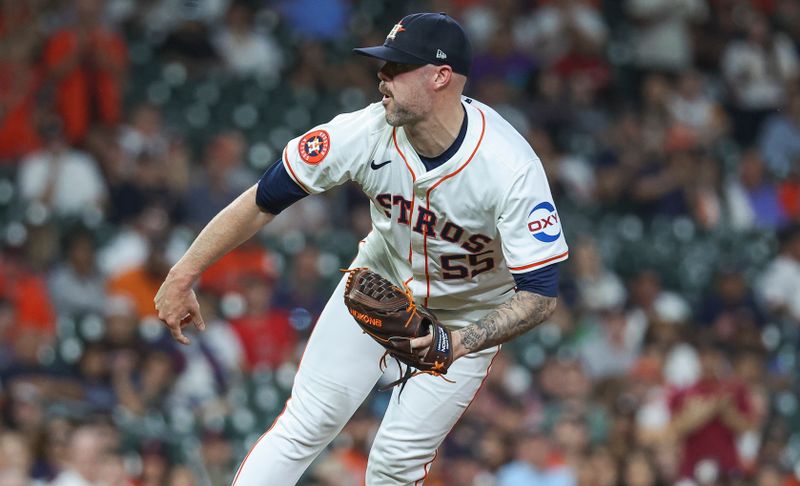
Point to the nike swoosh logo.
(375, 166)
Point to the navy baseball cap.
(425, 38)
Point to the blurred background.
(670, 132)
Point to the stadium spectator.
(780, 140)
(159, 17)
(773, 475)
(608, 350)
(26, 291)
(86, 454)
(789, 195)
(155, 464)
(49, 176)
(570, 434)
(121, 325)
(300, 290)
(265, 332)
(730, 308)
(143, 134)
(753, 200)
(189, 45)
(552, 111)
(20, 80)
(708, 417)
(245, 50)
(663, 40)
(87, 65)
(223, 177)
(248, 259)
(603, 466)
(349, 458)
(15, 456)
(535, 462)
(144, 387)
(113, 471)
(181, 475)
(311, 69)
(598, 288)
(504, 61)
(654, 312)
(141, 283)
(130, 245)
(555, 29)
(328, 23)
(76, 286)
(693, 107)
(218, 457)
(51, 448)
(150, 183)
(638, 470)
(571, 175)
(758, 70)
(222, 344)
(213, 360)
(94, 378)
(779, 285)
(7, 319)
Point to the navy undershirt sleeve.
(542, 281)
(277, 190)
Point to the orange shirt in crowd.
(228, 272)
(789, 197)
(28, 294)
(88, 74)
(140, 286)
(19, 83)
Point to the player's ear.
(443, 75)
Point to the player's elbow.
(550, 304)
(540, 307)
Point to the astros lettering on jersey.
(430, 228)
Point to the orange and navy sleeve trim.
(531, 266)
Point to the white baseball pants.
(338, 370)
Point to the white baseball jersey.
(454, 234)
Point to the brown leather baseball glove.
(389, 314)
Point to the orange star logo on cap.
(395, 30)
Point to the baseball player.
(461, 213)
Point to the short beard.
(401, 116)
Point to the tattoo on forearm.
(524, 311)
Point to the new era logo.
(440, 54)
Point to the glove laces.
(409, 373)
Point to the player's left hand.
(177, 306)
(420, 345)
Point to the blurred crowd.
(670, 133)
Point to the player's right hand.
(177, 306)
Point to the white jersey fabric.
(454, 234)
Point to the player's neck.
(432, 136)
